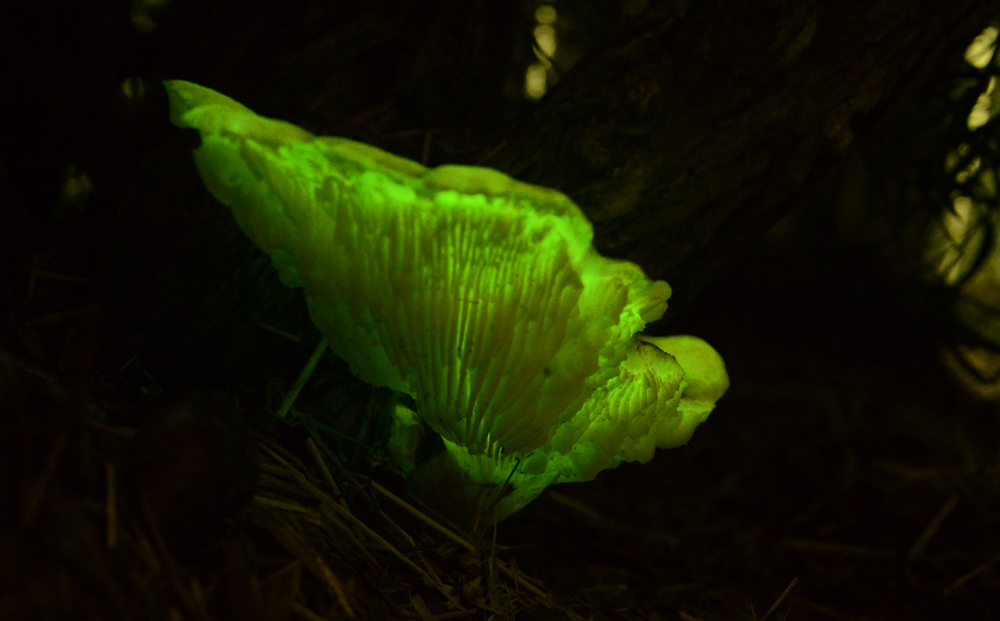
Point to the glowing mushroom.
(478, 295)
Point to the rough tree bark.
(682, 138)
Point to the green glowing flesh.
(478, 295)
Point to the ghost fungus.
(478, 295)
(664, 388)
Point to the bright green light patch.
(476, 294)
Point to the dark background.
(686, 131)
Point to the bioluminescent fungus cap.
(478, 295)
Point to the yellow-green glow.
(476, 294)
(545, 37)
(983, 108)
(980, 52)
(546, 14)
(537, 74)
(534, 81)
(954, 242)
